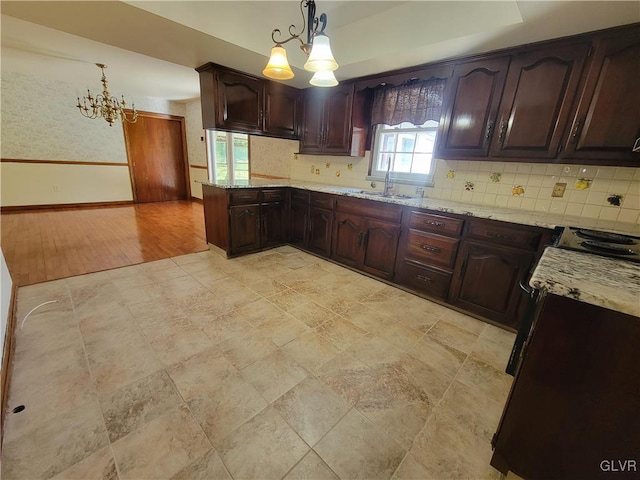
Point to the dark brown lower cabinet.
(273, 225)
(320, 228)
(486, 281)
(298, 222)
(572, 412)
(427, 280)
(244, 222)
(365, 243)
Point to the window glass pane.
(402, 163)
(406, 142)
(240, 157)
(421, 163)
(221, 170)
(425, 142)
(388, 142)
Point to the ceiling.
(152, 47)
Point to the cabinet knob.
(501, 236)
(435, 223)
(503, 132)
(487, 135)
(429, 248)
(576, 132)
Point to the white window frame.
(230, 161)
(378, 174)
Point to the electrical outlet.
(295, 156)
(56, 188)
(558, 190)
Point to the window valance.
(414, 102)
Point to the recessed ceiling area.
(152, 47)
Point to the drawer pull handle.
(435, 223)
(502, 236)
(422, 278)
(429, 248)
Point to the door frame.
(185, 156)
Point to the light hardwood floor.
(44, 245)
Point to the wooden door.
(348, 239)
(607, 122)
(474, 96)
(312, 120)
(380, 244)
(244, 223)
(537, 101)
(337, 129)
(282, 104)
(239, 100)
(320, 228)
(486, 281)
(156, 149)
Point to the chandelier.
(317, 48)
(105, 106)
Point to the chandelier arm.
(282, 42)
(323, 20)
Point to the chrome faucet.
(388, 184)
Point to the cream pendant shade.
(323, 79)
(321, 59)
(278, 67)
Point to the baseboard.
(197, 200)
(7, 355)
(59, 206)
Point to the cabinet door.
(273, 227)
(298, 223)
(337, 120)
(537, 101)
(486, 281)
(607, 122)
(281, 110)
(380, 244)
(474, 96)
(244, 222)
(312, 121)
(239, 102)
(320, 228)
(349, 235)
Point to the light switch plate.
(558, 190)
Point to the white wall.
(41, 122)
(5, 299)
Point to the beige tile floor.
(274, 365)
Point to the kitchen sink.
(398, 196)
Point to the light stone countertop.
(606, 282)
(522, 217)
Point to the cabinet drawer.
(426, 280)
(273, 195)
(435, 223)
(300, 196)
(370, 209)
(431, 248)
(322, 201)
(505, 234)
(241, 196)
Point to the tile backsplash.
(607, 193)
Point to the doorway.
(156, 149)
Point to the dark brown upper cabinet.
(537, 101)
(238, 102)
(607, 121)
(281, 110)
(327, 122)
(473, 97)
